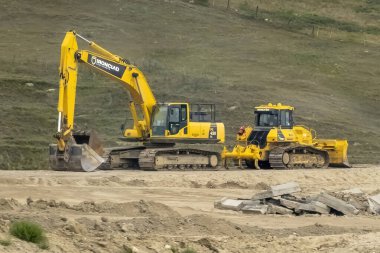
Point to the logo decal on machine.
(213, 133)
(93, 60)
(110, 67)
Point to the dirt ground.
(114, 211)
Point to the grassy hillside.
(190, 52)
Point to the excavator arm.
(110, 65)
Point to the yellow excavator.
(275, 142)
(159, 126)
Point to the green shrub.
(188, 250)
(30, 232)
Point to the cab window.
(174, 115)
(286, 118)
(183, 113)
(266, 120)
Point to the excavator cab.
(170, 119)
(182, 122)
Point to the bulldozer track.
(297, 157)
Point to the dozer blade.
(82, 153)
(337, 150)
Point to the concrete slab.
(290, 204)
(337, 204)
(255, 209)
(217, 203)
(353, 191)
(229, 204)
(251, 202)
(315, 206)
(360, 205)
(262, 195)
(283, 189)
(273, 209)
(374, 203)
(311, 198)
(277, 190)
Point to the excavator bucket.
(337, 150)
(83, 152)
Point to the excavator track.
(294, 157)
(159, 159)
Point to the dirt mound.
(229, 184)
(135, 208)
(44, 204)
(8, 204)
(233, 184)
(195, 225)
(262, 186)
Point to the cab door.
(177, 119)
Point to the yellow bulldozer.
(275, 142)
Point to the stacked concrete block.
(279, 199)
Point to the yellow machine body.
(186, 123)
(152, 122)
(276, 130)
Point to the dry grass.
(362, 12)
(189, 53)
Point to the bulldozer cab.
(272, 116)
